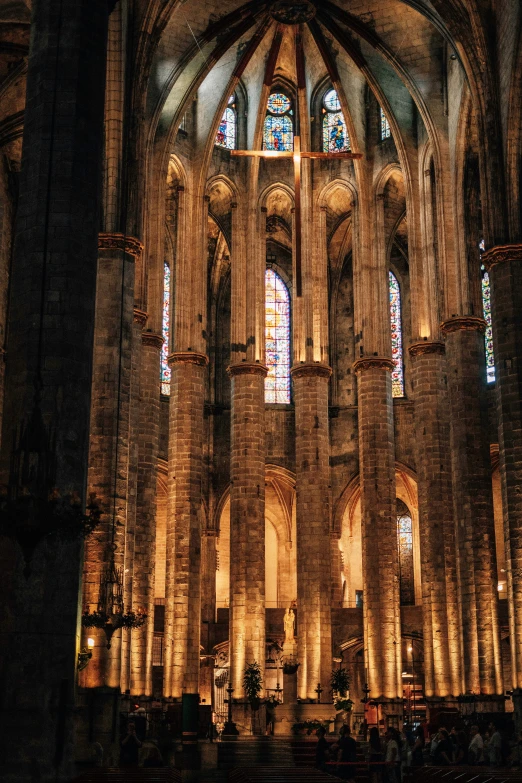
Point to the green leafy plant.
(340, 682)
(252, 683)
(343, 705)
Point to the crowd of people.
(389, 755)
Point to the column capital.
(153, 339)
(247, 368)
(372, 363)
(466, 323)
(311, 370)
(501, 253)
(187, 357)
(114, 240)
(140, 316)
(426, 347)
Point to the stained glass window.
(277, 339)
(226, 135)
(486, 308)
(165, 369)
(385, 126)
(405, 545)
(396, 336)
(335, 135)
(278, 131)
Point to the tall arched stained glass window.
(385, 125)
(486, 308)
(165, 369)
(226, 135)
(335, 135)
(278, 130)
(405, 545)
(277, 339)
(396, 336)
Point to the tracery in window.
(396, 336)
(335, 134)
(405, 546)
(226, 135)
(165, 369)
(278, 131)
(486, 309)
(277, 339)
(385, 126)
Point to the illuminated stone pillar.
(247, 519)
(473, 504)
(441, 631)
(382, 615)
(109, 441)
(312, 450)
(183, 579)
(504, 264)
(145, 529)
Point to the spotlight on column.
(85, 655)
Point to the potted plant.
(340, 682)
(252, 682)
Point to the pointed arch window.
(165, 369)
(277, 339)
(396, 336)
(227, 131)
(385, 125)
(335, 134)
(278, 130)
(405, 545)
(486, 309)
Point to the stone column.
(441, 631)
(247, 519)
(381, 608)
(51, 317)
(504, 264)
(183, 582)
(312, 451)
(145, 537)
(109, 443)
(473, 504)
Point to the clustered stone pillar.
(473, 505)
(504, 264)
(312, 450)
(441, 630)
(51, 317)
(183, 582)
(247, 519)
(145, 529)
(382, 618)
(109, 443)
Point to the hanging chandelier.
(32, 508)
(110, 614)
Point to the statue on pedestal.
(289, 625)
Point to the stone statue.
(289, 623)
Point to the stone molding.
(422, 348)
(372, 363)
(187, 357)
(466, 323)
(500, 254)
(114, 240)
(311, 370)
(153, 339)
(140, 316)
(247, 368)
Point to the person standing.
(495, 746)
(392, 756)
(476, 747)
(322, 749)
(346, 755)
(375, 756)
(417, 751)
(130, 747)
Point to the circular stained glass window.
(278, 103)
(331, 101)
